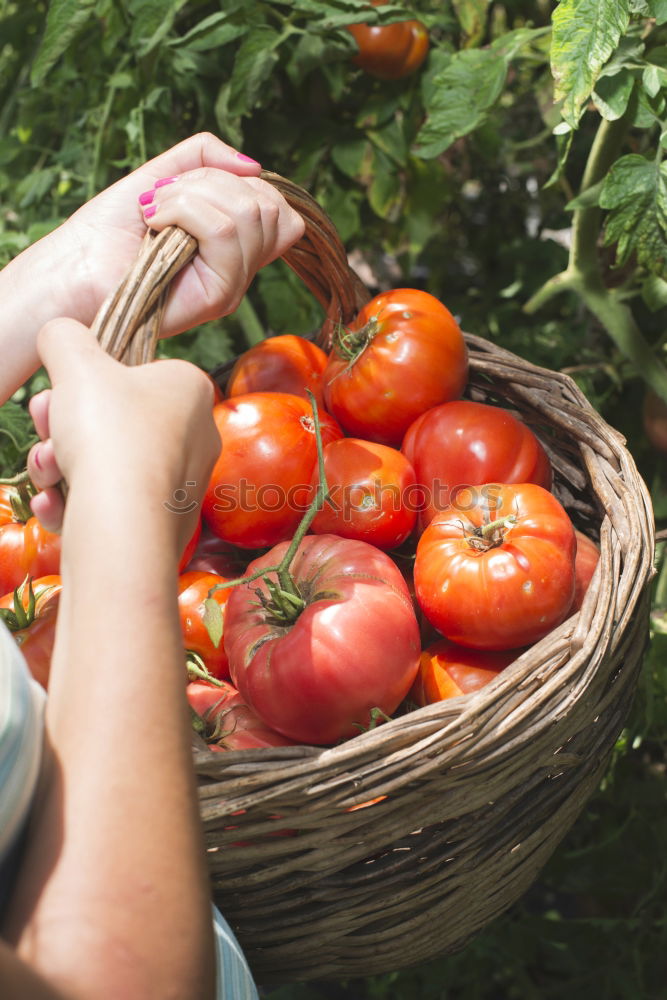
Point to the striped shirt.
(21, 727)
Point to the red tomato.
(26, 548)
(462, 444)
(193, 590)
(447, 670)
(212, 555)
(354, 646)
(261, 483)
(369, 493)
(34, 630)
(501, 574)
(390, 51)
(227, 721)
(280, 364)
(586, 559)
(403, 354)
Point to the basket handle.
(128, 323)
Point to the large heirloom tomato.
(370, 487)
(31, 612)
(501, 574)
(261, 483)
(226, 722)
(280, 364)
(461, 444)
(26, 548)
(352, 648)
(193, 590)
(447, 670)
(390, 51)
(403, 354)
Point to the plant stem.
(253, 330)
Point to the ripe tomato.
(461, 444)
(586, 559)
(226, 721)
(390, 51)
(261, 483)
(26, 548)
(354, 646)
(447, 670)
(369, 493)
(501, 574)
(212, 555)
(193, 590)
(280, 364)
(191, 547)
(403, 354)
(34, 628)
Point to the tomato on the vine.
(316, 672)
(390, 51)
(280, 364)
(30, 612)
(447, 670)
(261, 483)
(500, 574)
(369, 496)
(460, 444)
(193, 591)
(403, 353)
(26, 548)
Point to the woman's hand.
(139, 435)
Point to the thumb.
(67, 347)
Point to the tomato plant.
(403, 353)
(30, 612)
(260, 485)
(390, 51)
(26, 548)
(501, 574)
(586, 559)
(369, 496)
(225, 721)
(461, 444)
(280, 364)
(447, 670)
(315, 664)
(193, 590)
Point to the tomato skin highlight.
(193, 590)
(390, 51)
(463, 443)
(369, 493)
(37, 639)
(26, 548)
(353, 648)
(261, 483)
(280, 364)
(447, 670)
(508, 595)
(415, 358)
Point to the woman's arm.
(113, 898)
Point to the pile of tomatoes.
(436, 554)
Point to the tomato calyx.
(21, 617)
(22, 492)
(349, 345)
(491, 534)
(197, 670)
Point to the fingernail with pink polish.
(147, 197)
(165, 180)
(150, 211)
(247, 159)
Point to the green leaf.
(211, 33)
(385, 191)
(471, 16)
(462, 94)
(658, 10)
(254, 63)
(612, 94)
(651, 80)
(17, 435)
(587, 198)
(635, 196)
(350, 156)
(152, 21)
(64, 20)
(585, 34)
(212, 619)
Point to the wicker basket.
(402, 843)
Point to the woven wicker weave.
(459, 804)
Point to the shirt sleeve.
(21, 729)
(233, 977)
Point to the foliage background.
(518, 176)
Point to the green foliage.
(528, 147)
